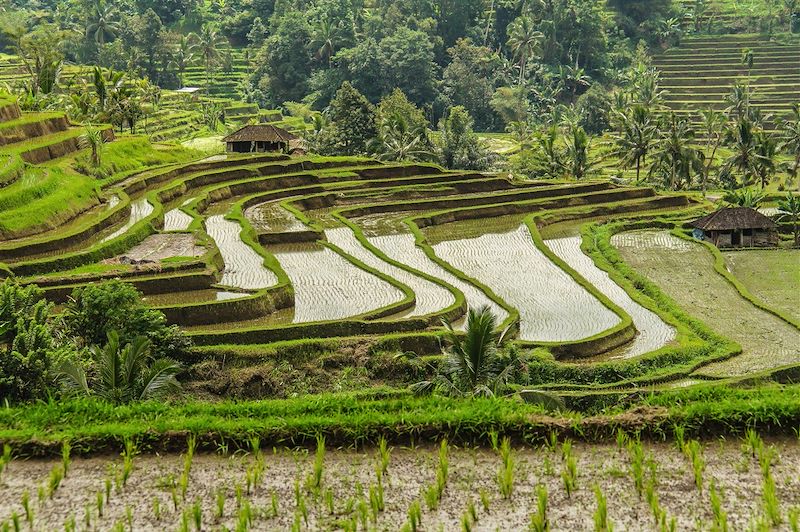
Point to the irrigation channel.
(685, 272)
(552, 306)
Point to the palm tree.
(102, 23)
(123, 374)
(524, 41)
(714, 127)
(397, 141)
(790, 209)
(93, 139)
(747, 60)
(326, 36)
(182, 58)
(572, 79)
(744, 197)
(675, 158)
(790, 137)
(766, 149)
(207, 44)
(635, 139)
(738, 100)
(578, 153)
(742, 139)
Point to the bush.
(95, 310)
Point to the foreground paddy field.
(685, 272)
(770, 275)
(642, 486)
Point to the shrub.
(95, 310)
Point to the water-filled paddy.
(685, 272)
(652, 332)
(328, 287)
(189, 297)
(272, 217)
(140, 209)
(244, 268)
(430, 297)
(163, 246)
(176, 220)
(552, 306)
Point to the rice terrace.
(408, 265)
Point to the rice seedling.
(303, 509)
(601, 522)
(65, 457)
(694, 451)
(794, 519)
(87, 517)
(15, 521)
(327, 497)
(651, 496)
(220, 499)
(636, 454)
(494, 438)
(238, 495)
(766, 456)
(414, 516)
(26, 505)
(173, 491)
(376, 500)
(505, 476)
(569, 473)
(314, 481)
(466, 522)
(41, 493)
(551, 443)
(184, 526)
(118, 527)
(540, 521)
(245, 518)
(719, 516)
(444, 462)
(54, 481)
(99, 503)
(622, 439)
(770, 502)
(107, 484)
(472, 511)
(274, 503)
(384, 455)
(5, 458)
(157, 508)
(69, 524)
(485, 500)
(680, 436)
(129, 517)
(363, 513)
(566, 449)
(752, 444)
(127, 460)
(197, 516)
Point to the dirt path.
(471, 475)
(685, 272)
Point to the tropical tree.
(577, 152)
(103, 24)
(675, 159)
(93, 139)
(400, 141)
(525, 42)
(747, 60)
(182, 58)
(123, 374)
(766, 150)
(325, 40)
(714, 128)
(635, 137)
(789, 209)
(744, 197)
(742, 139)
(573, 79)
(738, 100)
(207, 45)
(459, 146)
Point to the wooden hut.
(259, 138)
(736, 227)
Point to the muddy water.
(402, 248)
(272, 217)
(384, 223)
(176, 220)
(162, 246)
(349, 474)
(684, 271)
(244, 268)
(652, 332)
(191, 296)
(552, 306)
(140, 209)
(430, 296)
(328, 287)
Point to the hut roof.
(732, 218)
(260, 133)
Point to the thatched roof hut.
(259, 138)
(736, 227)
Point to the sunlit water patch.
(140, 210)
(244, 268)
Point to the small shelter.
(192, 92)
(259, 138)
(736, 227)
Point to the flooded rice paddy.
(163, 246)
(552, 306)
(148, 502)
(244, 268)
(272, 217)
(329, 287)
(430, 297)
(402, 248)
(652, 332)
(176, 220)
(685, 272)
(140, 209)
(189, 297)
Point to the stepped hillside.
(699, 73)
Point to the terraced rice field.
(652, 332)
(176, 220)
(773, 276)
(274, 218)
(685, 272)
(140, 209)
(146, 502)
(552, 306)
(244, 268)
(329, 287)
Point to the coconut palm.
(790, 210)
(675, 158)
(207, 45)
(577, 153)
(790, 137)
(326, 37)
(635, 138)
(398, 141)
(747, 60)
(742, 139)
(744, 197)
(102, 24)
(525, 42)
(738, 100)
(93, 139)
(123, 374)
(714, 128)
(766, 150)
(182, 58)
